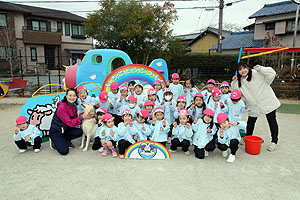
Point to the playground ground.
(88, 175)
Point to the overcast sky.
(190, 20)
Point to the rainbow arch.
(130, 72)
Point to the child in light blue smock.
(182, 133)
(140, 95)
(181, 104)
(214, 103)
(143, 129)
(83, 97)
(159, 127)
(197, 107)
(224, 87)
(203, 134)
(152, 96)
(169, 106)
(175, 86)
(126, 131)
(27, 135)
(108, 134)
(210, 84)
(132, 106)
(121, 102)
(229, 136)
(189, 91)
(103, 101)
(113, 96)
(159, 91)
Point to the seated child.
(143, 129)
(182, 133)
(126, 132)
(159, 127)
(224, 87)
(189, 91)
(175, 86)
(159, 91)
(197, 107)
(108, 134)
(203, 134)
(132, 106)
(97, 142)
(27, 135)
(83, 97)
(113, 96)
(207, 92)
(138, 92)
(229, 136)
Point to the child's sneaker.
(114, 152)
(121, 156)
(187, 153)
(169, 140)
(23, 150)
(224, 153)
(231, 158)
(205, 153)
(106, 151)
(172, 151)
(101, 149)
(272, 147)
(36, 150)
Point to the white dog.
(89, 126)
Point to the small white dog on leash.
(89, 126)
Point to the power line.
(87, 1)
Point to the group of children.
(178, 114)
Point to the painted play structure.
(96, 74)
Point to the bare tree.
(8, 42)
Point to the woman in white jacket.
(255, 87)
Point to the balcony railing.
(48, 29)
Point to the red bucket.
(253, 144)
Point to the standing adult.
(255, 87)
(63, 126)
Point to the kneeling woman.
(63, 126)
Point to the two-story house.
(42, 36)
(275, 23)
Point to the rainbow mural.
(133, 72)
(147, 149)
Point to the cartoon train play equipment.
(96, 73)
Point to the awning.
(76, 51)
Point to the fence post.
(21, 67)
(49, 78)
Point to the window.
(67, 29)
(59, 27)
(33, 54)
(3, 21)
(39, 25)
(6, 52)
(2, 53)
(270, 26)
(291, 26)
(77, 30)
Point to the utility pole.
(221, 7)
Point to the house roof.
(275, 9)
(210, 30)
(41, 12)
(240, 39)
(190, 36)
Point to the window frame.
(33, 48)
(39, 23)
(61, 30)
(270, 26)
(67, 33)
(6, 22)
(78, 25)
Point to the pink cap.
(152, 92)
(175, 76)
(82, 87)
(216, 92)
(108, 117)
(181, 98)
(168, 90)
(132, 98)
(159, 109)
(144, 113)
(123, 87)
(157, 82)
(103, 96)
(126, 112)
(148, 103)
(198, 95)
(209, 112)
(236, 94)
(102, 110)
(21, 120)
(211, 81)
(114, 86)
(183, 112)
(222, 117)
(224, 84)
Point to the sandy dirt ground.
(88, 175)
